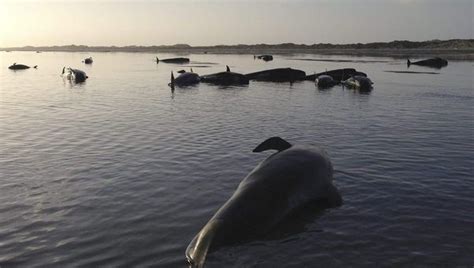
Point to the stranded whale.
(173, 60)
(88, 60)
(286, 180)
(75, 75)
(359, 82)
(337, 74)
(15, 66)
(278, 75)
(184, 79)
(225, 78)
(325, 81)
(433, 62)
(264, 57)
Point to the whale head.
(197, 250)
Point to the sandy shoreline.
(449, 54)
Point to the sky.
(214, 22)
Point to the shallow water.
(119, 171)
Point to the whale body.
(225, 78)
(15, 66)
(286, 180)
(88, 60)
(184, 79)
(277, 75)
(173, 60)
(361, 83)
(337, 74)
(325, 81)
(75, 75)
(265, 57)
(433, 62)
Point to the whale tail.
(157, 60)
(227, 68)
(273, 143)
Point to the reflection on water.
(120, 171)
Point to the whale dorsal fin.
(273, 143)
(227, 68)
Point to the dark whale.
(337, 74)
(225, 78)
(88, 60)
(278, 75)
(264, 57)
(437, 63)
(361, 83)
(75, 75)
(173, 60)
(184, 79)
(286, 180)
(15, 66)
(325, 81)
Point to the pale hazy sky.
(211, 22)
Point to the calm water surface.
(120, 172)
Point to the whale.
(361, 83)
(173, 60)
(225, 78)
(16, 66)
(264, 57)
(75, 75)
(436, 62)
(277, 75)
(184, 79)
(292, 177)
(337, 74)
(325, 81)
(88, 60)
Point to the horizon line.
(235, 45)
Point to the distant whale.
(337, 74)
(75, 75)
(88, 60)
(264, 57)
(286, 180)
(225, 78)
(15, 66)
(433, 62)
(184, 79)
(173, 60)
(278, 75)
